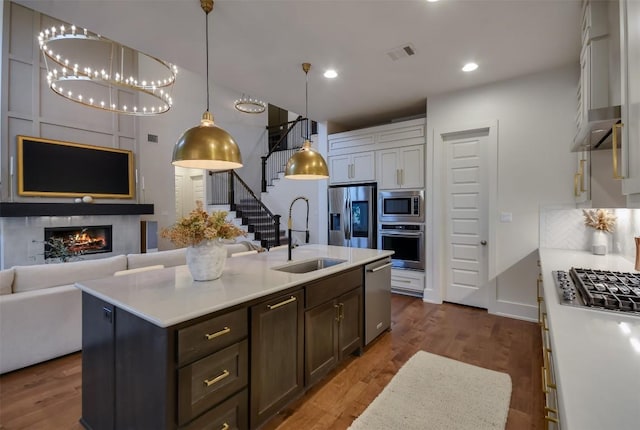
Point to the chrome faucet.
(290, 225)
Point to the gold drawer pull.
(548, 370)
(217, 334)
(220, 377)
(225, 426)
(337, 309)
(553, 420)
(285, 302)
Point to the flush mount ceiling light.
(469, 67)
(247, 104)
(207, 146)
(330, 74)
(94, 71)
(306, 163)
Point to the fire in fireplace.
(80, 240)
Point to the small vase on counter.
(206, 260)
(599, 243)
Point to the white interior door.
(189, 189)
(466, 218)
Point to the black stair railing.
(227, 188)
(278, 153)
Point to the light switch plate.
(506, 217)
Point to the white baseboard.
(518, 311)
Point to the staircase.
(228, 189)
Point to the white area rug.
(434, 392)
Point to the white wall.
(536, 125)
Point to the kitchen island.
(595, 354)
(164, 352)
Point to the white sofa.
(41, 309)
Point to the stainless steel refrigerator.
(353, 215)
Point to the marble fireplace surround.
(22, 227)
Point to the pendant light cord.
(306, 98)
(207, 48)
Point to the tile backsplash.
(564, 228)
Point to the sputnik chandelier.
(97, 72)
(247, 104)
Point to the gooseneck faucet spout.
(290, 225)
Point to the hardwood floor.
(48, 395)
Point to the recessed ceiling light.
(330, 74)
(432, 1)
(469, 67)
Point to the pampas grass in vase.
(603, 222)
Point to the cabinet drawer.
(209, 380)
(232, 414)
(209, 336)
(331, 287)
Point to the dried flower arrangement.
(199, 225)
(600, 219)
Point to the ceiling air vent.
(403, 51)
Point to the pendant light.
(207, 146)
(306, 163)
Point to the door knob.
(483, 242)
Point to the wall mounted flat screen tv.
(53, 168)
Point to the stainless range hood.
(597, 132)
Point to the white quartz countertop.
(596, 353)
(166, 297)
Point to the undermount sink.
(309, 265)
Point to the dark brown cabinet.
(333, 328)
(136, 375)
(277, 355)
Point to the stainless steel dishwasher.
(377, 298)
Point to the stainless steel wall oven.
(407, 241)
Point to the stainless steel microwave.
(401, 206)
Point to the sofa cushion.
(169, 258)
(50, 275)
(6, 280)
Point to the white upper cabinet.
(400, 167)
(358, 167)
(391, 154)
(629, 131)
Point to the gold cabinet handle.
(341, 311)
(225, 426)
(217, 334)
(398, 176)
(401, 176)
(538, 289)
(282, 303)
(545, 326)
(220, 377)
(337, 310)
(547, 369)
(616, 174)
(582, 188)
(544, 380)
(576, 185)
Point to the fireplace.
(80, 240)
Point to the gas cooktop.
(599, 289)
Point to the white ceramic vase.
(206, 260)
(599, 242)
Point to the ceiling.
(257, 46)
